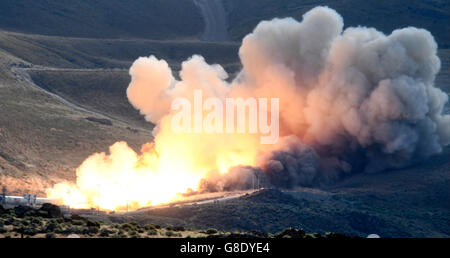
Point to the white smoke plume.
(351, 101)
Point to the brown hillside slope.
(43, 139)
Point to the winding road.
(22, 75)
(215, 20)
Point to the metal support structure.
(4, 195)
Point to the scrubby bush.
(30, 231)
(152, 226)
(50, 235)
(73, 230)
(65, 225)
(104, 232)
(259, 233)
(6, 215)
(91, 223)
(211, 231)
(9, 221)
(128, 227)
(36, 221)
(22, 211)
(76, 217)
(149, 226)
(77, 222)
(178, 228)
(291, 233)
(335, 236)
(3, 230)
(49, 210)
(152, 232)
(90, 230)
(42, 213)
(93, 230)
(52, 227)
(120, 234)
(170, 233)
(18, 230)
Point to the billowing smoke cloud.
(350, 101)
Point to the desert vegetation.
(49, 222)
(71, 50)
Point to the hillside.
(100, 90)
(56, 92)
(49, 222)
(164, 19)
(88, 53)
(63, 75)
(44, 138)
(405, 203)
(156, 19)
(433, 15)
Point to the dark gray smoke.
(354, 101)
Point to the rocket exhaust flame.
(349, 102)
